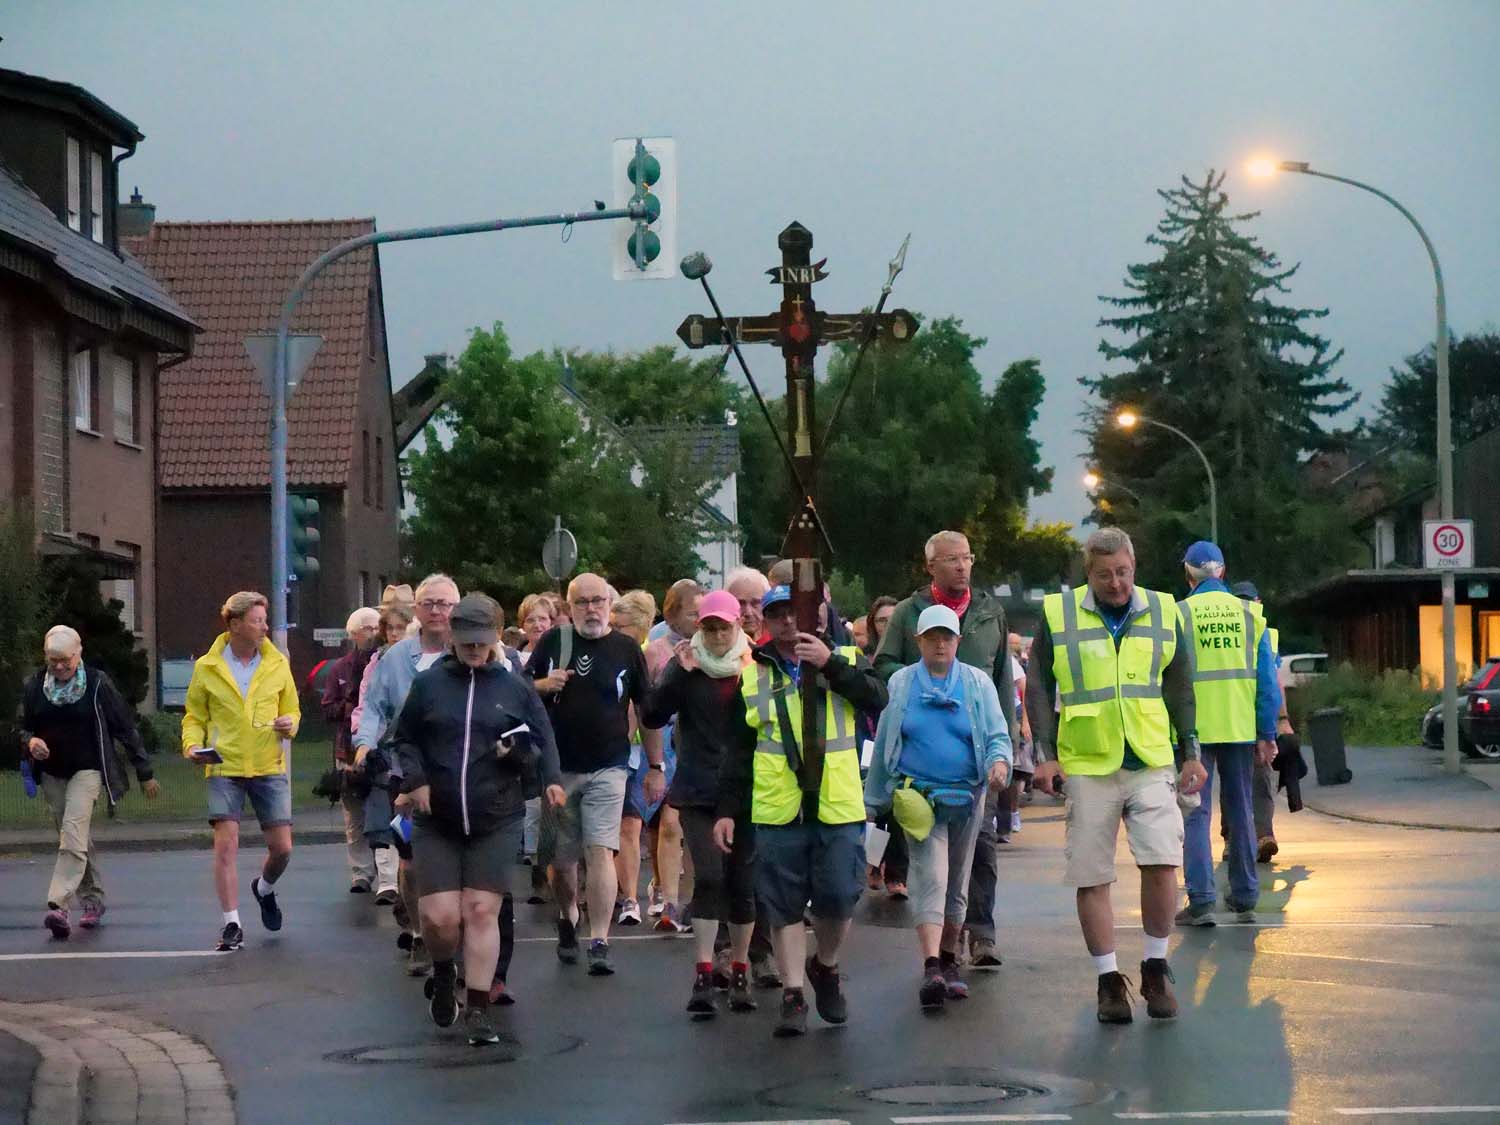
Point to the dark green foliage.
(1408, 405)
(20, 637)
(71, 596)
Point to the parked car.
(173, 682)
(1301, 668)
(1478, 715)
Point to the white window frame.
(85, 377)
(75, 185)
(96, 195)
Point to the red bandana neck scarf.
(959, 606)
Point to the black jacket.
(446, 738)
(705, 709)
(114, 722)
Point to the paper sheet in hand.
(866, 753)
(875, 841)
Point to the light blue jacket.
(991, 736)
(389, 685)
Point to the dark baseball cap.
(1245, 590)
(475, 620)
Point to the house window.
(86, 390)
(75, 185)
(380, 473)
(126, 388)
(364, 461)
(96, 195)
(363, 595)
(123, 590)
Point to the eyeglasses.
(591, 603)
(436, 604)
(952, 560)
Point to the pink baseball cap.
(721, 604)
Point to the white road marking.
(979, 1118)
(1289, 925)
(791, 1121)
(126, 955)
(1195, 1114)
(1414, 1110)
(1343, 957)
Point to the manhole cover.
(955, 1093)
(454, 1052)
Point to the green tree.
(71, 596)
(1407, 415)
(20, 616)
(1209, 348)
(655, 386)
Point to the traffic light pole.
(279, 568)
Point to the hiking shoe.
(958, 988)
(763, 973)
(740, 998)
(231, 938)
(93, 913)
(56, 921)
(599, 963)
(793, 1021)
(629, 913)
(480, 1030)
(1156, 989)
(934, 989)
(419, 964)
(1266, 848)
(1242, 914)
(982, 953)
(1201, 914)
(1114, 998)
(567, 942)
(404, 940)
(701, 1004)
(826, 991)
(387, 896)
(670, 920)
(897, 891)
(270, 913)
(359, 887)
(442, 997)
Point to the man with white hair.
(1234, 682)
(749, 586)
(71, 718)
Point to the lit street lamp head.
(1091, 481)
(1126, 419)
(1264, 167)
(696, 265)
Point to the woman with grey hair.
(72, 717)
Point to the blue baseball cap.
(775, 596)
(1203, 553)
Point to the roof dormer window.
(86, 182)
(96, 195)
(75, 185)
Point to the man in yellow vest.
(809, 830)
(1234, 682)
(1113, 656)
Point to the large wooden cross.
(799, 328)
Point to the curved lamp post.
(1129, 419)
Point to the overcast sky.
(1021, 144)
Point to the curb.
(1386, 822)
(198, 840)
(57, 1087)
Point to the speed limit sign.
(1448, 544)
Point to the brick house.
(85, 335)
(215, 459)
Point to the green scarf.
(67, 693)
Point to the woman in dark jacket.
(700, 686)
(71, 717)
(472, 738)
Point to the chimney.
(134, 219)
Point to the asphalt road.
(1367, 992)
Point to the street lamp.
(1129, 419)
(1265, 167)
(1095, 483)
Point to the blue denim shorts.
(801, 863)
(270, 797)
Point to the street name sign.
(1448, 544)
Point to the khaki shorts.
(1145, 799)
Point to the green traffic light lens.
(653, 207)
(647, 170)
(652, 245)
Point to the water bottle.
(28, 782)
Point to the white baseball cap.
(938, 617)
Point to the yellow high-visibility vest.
(1224, 635)
(1111, 695)
(776, 797)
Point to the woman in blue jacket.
(942, 738)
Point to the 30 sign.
(1448, 544)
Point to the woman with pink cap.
(700, 687)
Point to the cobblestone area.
(108, 1068)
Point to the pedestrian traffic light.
(645, 172)
(302, 529)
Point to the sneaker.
(359, 887)
(701, 1004)
(1015, 822)
(270, 913)
(655, 903)
(1114, 998)
(826, 991)
(934, 989)
(387, 896)
(93, 913)
(958, 988)
(56, 920)
(763, 973)
(567, 942)
(1200, 914)
(897, 891)
(629, 913)
(1266, 848)
(231, 938)
(982, 953)
(793, 1021)
(419, 964)
(478, 1027)
(1242, 914)
(670, 920)
(740, 997)
(1156, 989)
(599, 963)
(442, 997)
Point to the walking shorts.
(591, 816)
(800, 863)
(1145, 799)
(455, 862)
(270, 796)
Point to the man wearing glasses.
(982, 642)
(589, 676)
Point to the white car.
(1299, 668)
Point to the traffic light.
(645, 170)
(302, 529)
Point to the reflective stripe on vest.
(1224, 635)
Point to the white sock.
(573, 914)
(1156, 948)
(267, 884)
(231, 916)
(1105, 963)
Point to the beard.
(593, 630)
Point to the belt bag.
(917, 809)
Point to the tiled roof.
(715, 449)
(28, 222)
(233, 277)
